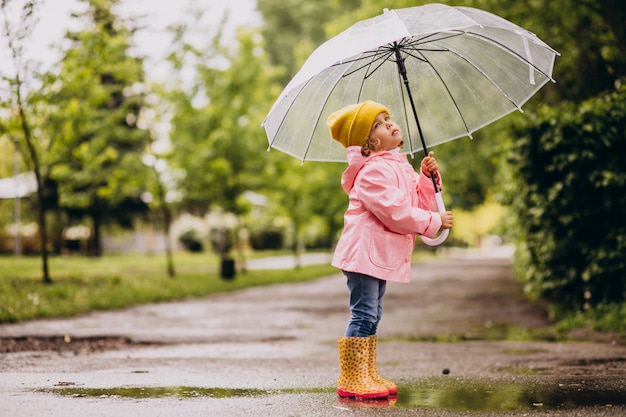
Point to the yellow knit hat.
(351, 125)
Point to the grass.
(498, 332)
(83, 284)
(601, 318)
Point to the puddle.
(161, 392)
(436, 393)
(497, 395)
(68, 389)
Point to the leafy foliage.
(94, 105)
(569, 196)
(294, 28)
(19, 101)
(215, 123)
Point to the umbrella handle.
(444, 233)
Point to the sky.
(55, 19)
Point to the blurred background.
(134, 126)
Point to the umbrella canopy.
(444, 72)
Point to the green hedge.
(569, 198)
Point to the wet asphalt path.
(276, 348)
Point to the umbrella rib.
(428, 38)
(483, 73)
(363, 55)
(511, 51)
(382, 59)
(283, 119)
(456, 106)
(309, 141)
(377, 57)
(406, 117)
(374, 54)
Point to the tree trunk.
(167, 221)
(41, 212)
(95, 247)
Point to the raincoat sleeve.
(426, 191)
(394, 205)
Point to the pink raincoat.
(389, 205)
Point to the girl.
(389, 205)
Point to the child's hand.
(429, 164)
(446, 219)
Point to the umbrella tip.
(385, 10)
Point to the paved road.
(275, 347)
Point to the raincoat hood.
(356, 161)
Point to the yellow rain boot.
(354, 377)
(391, 387)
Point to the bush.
(265, 239)
(191, 240)
(190, 232)
(569, 195)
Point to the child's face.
(387, 132)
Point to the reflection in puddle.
(497, 395)
(160, 392)
(477, 395)
(351, 403)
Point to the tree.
(564, 170)
(591, 60)
(95, 105)
(292, 28)
(20, 102)
(614, 13)
(568, 192)
(219, 146)
(306, 193)
(157, 186)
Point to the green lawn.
(82, 284)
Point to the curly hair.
(370, 145)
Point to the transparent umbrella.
(444, 72)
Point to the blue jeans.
(366, 304)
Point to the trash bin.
(227, 270)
